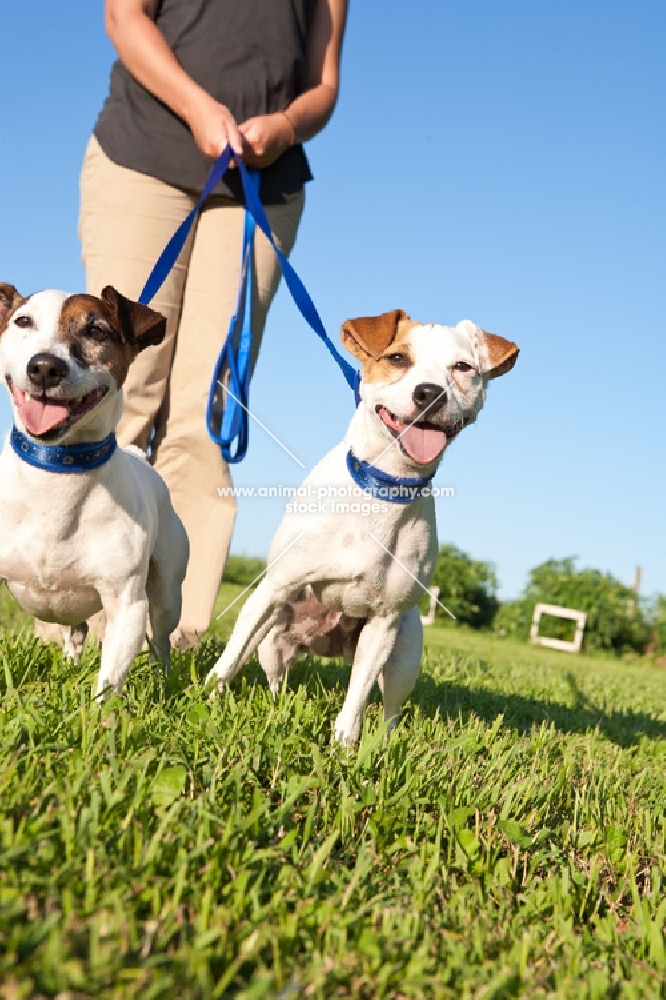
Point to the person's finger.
(234, 137)
(248, 131)
(247, 153)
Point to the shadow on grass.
(624, 728)
(452, 701)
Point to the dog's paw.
(216, 685)
(392, 722)
(106, 690)
(276, 682)
(346, 733)
(73, 639)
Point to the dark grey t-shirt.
(250, 55)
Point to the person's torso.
(248, 54)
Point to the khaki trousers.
(126, 221)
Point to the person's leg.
(126, 220)
(187, 459)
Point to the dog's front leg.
(375, 645)
(257, 617)
(398, 676)
(126, 616)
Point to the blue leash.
(230, 385)
(234, 359)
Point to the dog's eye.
(462, 366)
(96, 332)
(25, 322)
(398, 360)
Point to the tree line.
(617, 619)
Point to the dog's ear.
(502, 355)
(138, 325)
(369, 336)
(10, 300)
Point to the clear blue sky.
(502, 162)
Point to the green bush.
(242, 571)
(467, 587)
(616, 621)
(513, 619)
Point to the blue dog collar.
(63, 458)
(382, 486)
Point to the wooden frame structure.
(580, 617)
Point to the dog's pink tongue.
(39, 415)
(423, 444)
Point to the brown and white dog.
(84, 525)
(351, 574)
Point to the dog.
(86, 525)
(365, 565)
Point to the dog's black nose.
(430, 397)
(45, 371)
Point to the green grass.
(507, 841)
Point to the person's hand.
(213, 126)
(266, 137)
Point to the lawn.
(507, 841)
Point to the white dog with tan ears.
(84, 525)
(364, 572)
